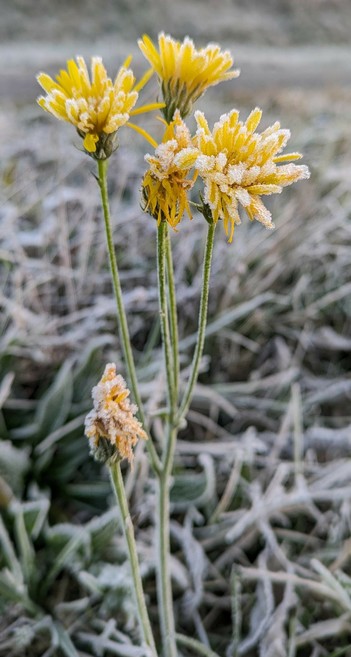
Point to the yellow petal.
(147, 108)
(142, 82)
(253, 119)
(288, 157)
(149, 51)
(265, 189)
(127, 61)
(89, 142)
(144, 133)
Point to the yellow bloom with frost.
(165, 185)
(111, 426)
(239, 165)
(95, 105)
(184, 71)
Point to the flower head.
(111, 426)
(165, 184)
(239, 165)
(96, 105)
(184, 71)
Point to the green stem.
(173, 315)
(165, 332)
(121, 315)
(164, 581)
(118, 487)
(195, 645)
(201, 324)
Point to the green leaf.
(54, 406)
(89, 368)
(24, 544)
(194, 489)
(14, 591)
(34, 515)
(65, 642)
(10, 588)
(68, 458)
(68, 430)
(14, 464)
(69, 552)
(88, 490)
(102, 529)
(9, 554)
(187, 488)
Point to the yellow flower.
(185, 72)
(165, 185)
(111, 426)
(239, 165)
(97, 107)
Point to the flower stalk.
(119, 490)
(164, 581)
(123, 325)
(172, 315)
(121, 314)
(201, 332)
(169, 334)
(162, 238)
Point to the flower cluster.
(237, 164)
(111, 426)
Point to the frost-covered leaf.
(88, 371)
(24, 543)
(34, 516)
(54, 406)
(194, 489)
(73, 555)
(14, 464)
(8, 552)
(102, 529)
(65, 642)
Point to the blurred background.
(271, 412)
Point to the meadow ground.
(261, 501)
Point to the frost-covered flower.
(165, 185)
(111, 426)
(96, 105)
(184, 71)
(239, 165)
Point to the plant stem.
(173, 315)
(123, 326)
(164, 582)
(201, 324)
(195, 645)
(121, 315)
(165, 332)
(118, 487)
